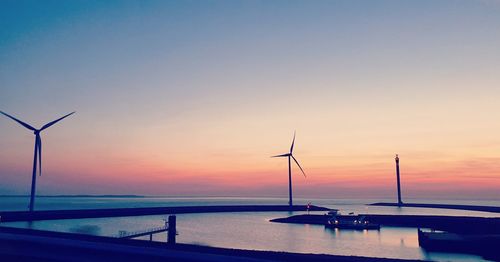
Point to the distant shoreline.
(127, 196)
(367, 200)
(194, 197)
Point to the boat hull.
(355, 227)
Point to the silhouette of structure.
(400, 203)
(38, 151)
(290, 157)
(170, 227)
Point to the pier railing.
(140, 233)
(170, 227)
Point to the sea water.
(252, 230)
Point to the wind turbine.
(38, 150)
(290, 157)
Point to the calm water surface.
(252, 230)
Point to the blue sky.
(183, 87)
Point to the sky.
(191, 98)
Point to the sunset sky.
(191, 98)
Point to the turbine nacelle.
(284, 155)
(291, 155)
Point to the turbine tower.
(400, 203)
(38, 151)
(290, 157)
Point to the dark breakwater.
(466, 225)
(14, 216)
(492, 209)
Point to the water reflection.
(86, 229)
(254, 231)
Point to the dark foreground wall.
(121, 212)
(35, 245)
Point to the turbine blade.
(297, 162)
(293, 142)
(39, 142)
(284, 155)
(19, 121)
(55, 121)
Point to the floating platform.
(369, 226)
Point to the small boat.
(357, 222)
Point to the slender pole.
(172, 229)
(33, 179)
(400, 203)
(290, 202)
